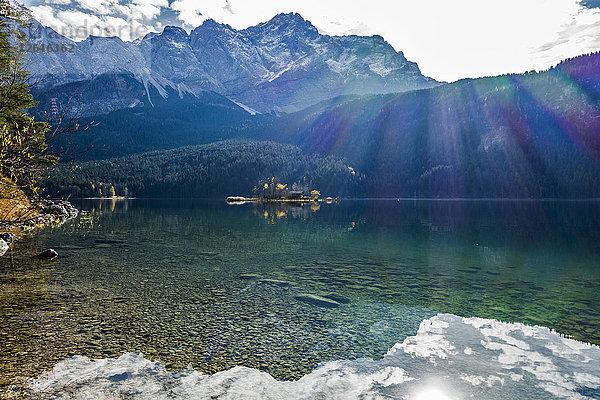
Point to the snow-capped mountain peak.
(283, 64)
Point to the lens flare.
(431, 394)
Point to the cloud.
(148, 9)
(193, 13)
(189, 15)
(63, 2)
(228, 8)
(590, 3)
(136, 9)
(581, 35)
(48, 17)
(78, 25)
(102, 7)
(78, 19)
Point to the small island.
(273, 191)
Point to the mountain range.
(283, 65)
(352, 102)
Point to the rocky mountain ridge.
(282, 65)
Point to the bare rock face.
(284, 64)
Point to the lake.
(381, 298)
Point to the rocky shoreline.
(47, 213)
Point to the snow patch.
(249, 110)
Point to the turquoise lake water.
(214, 286)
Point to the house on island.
(296, 194)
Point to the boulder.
(48, 254)
(277, 282)
(3, 247)
(335, 297)
(8, 237)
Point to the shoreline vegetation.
(22, 216)
(25, 152)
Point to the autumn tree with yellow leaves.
(271, 188)
(24, 153)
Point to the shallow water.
(218, 286)
(449, 358)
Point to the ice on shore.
(450, 358)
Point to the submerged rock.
(5, 241)
(3, 247)
(335, 297)
(110, 241)
(8, 237)
(317, 300)
(277, 282)
(49, 254)
(249, 276)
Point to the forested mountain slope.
(210, 171)
(534, 135)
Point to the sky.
(449, 39)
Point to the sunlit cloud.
(579, 36)
(58, 2)
(432, 389)
(431, 394)
(78, 19)
(590, 3)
